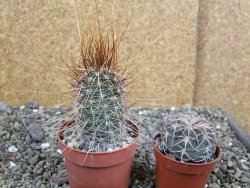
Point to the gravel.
(36, 161)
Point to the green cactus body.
(100, 103)
(189, 138)
(99, 97)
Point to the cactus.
(190, 138)
(98, 92)
(100, 103)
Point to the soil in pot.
(98, 169)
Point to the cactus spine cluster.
(190, 138)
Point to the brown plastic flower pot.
(98, 169)
(175, 174)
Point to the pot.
(171, 173)
(98, 169)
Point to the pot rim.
(218, 150)
(69, 122)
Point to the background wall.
(223, 57)
(187, 51)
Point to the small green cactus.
(189, 137)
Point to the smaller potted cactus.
(186, 151)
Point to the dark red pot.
(175, 174)
(98, 169)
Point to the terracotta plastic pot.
(175, 174)
(98, 169)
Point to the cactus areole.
(186, 151)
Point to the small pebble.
(230, 164)
(141, 113)
(110, 149)
(12, 149)
(218, 127)
(124, 144)
(70, 144)
(130, 139)
(3, 106)
(172, 108)
(41, 109)
(58, 113)
(243, 160)
(36, 132)
(17, 126)
(35, 110)
(45, 145)
(12, 165)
